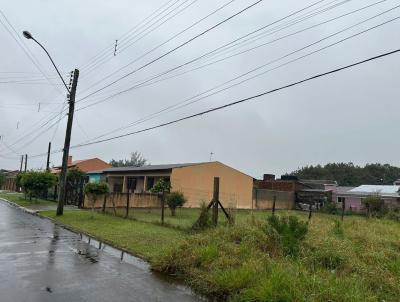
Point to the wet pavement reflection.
(40, 261)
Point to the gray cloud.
(349, 116)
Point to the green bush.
(290, 230)
(2, 178)
(161, 186)
(375, 205)
(35, 183)
(175, 200)
(74, 175)
(330, 208)
(93, 190)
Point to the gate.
(75, 191)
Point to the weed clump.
(204, 220)
(290, 232)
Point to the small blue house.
(95, 176)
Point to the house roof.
(342, 189)
(376, 189)
(149, 167)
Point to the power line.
(101, 60)
(26, 50)
(174, 49)
(261, 66)
(237, 102)
(278, 28)
(166, 41)
(255, 31)
(138, 25)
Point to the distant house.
(10, 180)
(194, 180)
(353, 197)
(95, 176)
(85, 165)
(290, 191)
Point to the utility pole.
(26, 162)
(64, 168)
(22, 162)
(48, 158)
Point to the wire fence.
(152, 208)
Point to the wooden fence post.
(343, 208)
(127, 204)
(104, 203)
(215, 201)
(273, 205)
(162, 206)
(113, 203)
(310, 212)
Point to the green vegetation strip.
(19, 199)
(146, 240)
(252, 261)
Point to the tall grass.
(358, 260)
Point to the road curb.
(74, 230)
(26, 210)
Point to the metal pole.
(64, 168)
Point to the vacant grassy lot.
(185, 218)
(19, 199)
(355, 261)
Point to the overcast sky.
(349, 116)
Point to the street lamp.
(71, 102)
(29, 36)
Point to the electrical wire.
(247, 99)
(174, 49)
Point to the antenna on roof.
(211, 155)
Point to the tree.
(136, 160)
(95, 190)
(74, 175)
(37, 182)
(348, 174)
(374, 204)
(162, 185)
(2, 178)
(174, 200)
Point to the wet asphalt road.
(40, 261)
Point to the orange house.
(85, 165)
(194, 180)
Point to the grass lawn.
(146, 240)
(19, 199)
(358, 260)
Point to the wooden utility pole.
(26, 162)
(22, 162)
(215, 201)
(64, 167)
(273, 205)
(48, 158)
(343, 208)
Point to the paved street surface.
(40, 261)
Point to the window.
(341, 199)
(150, 183)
